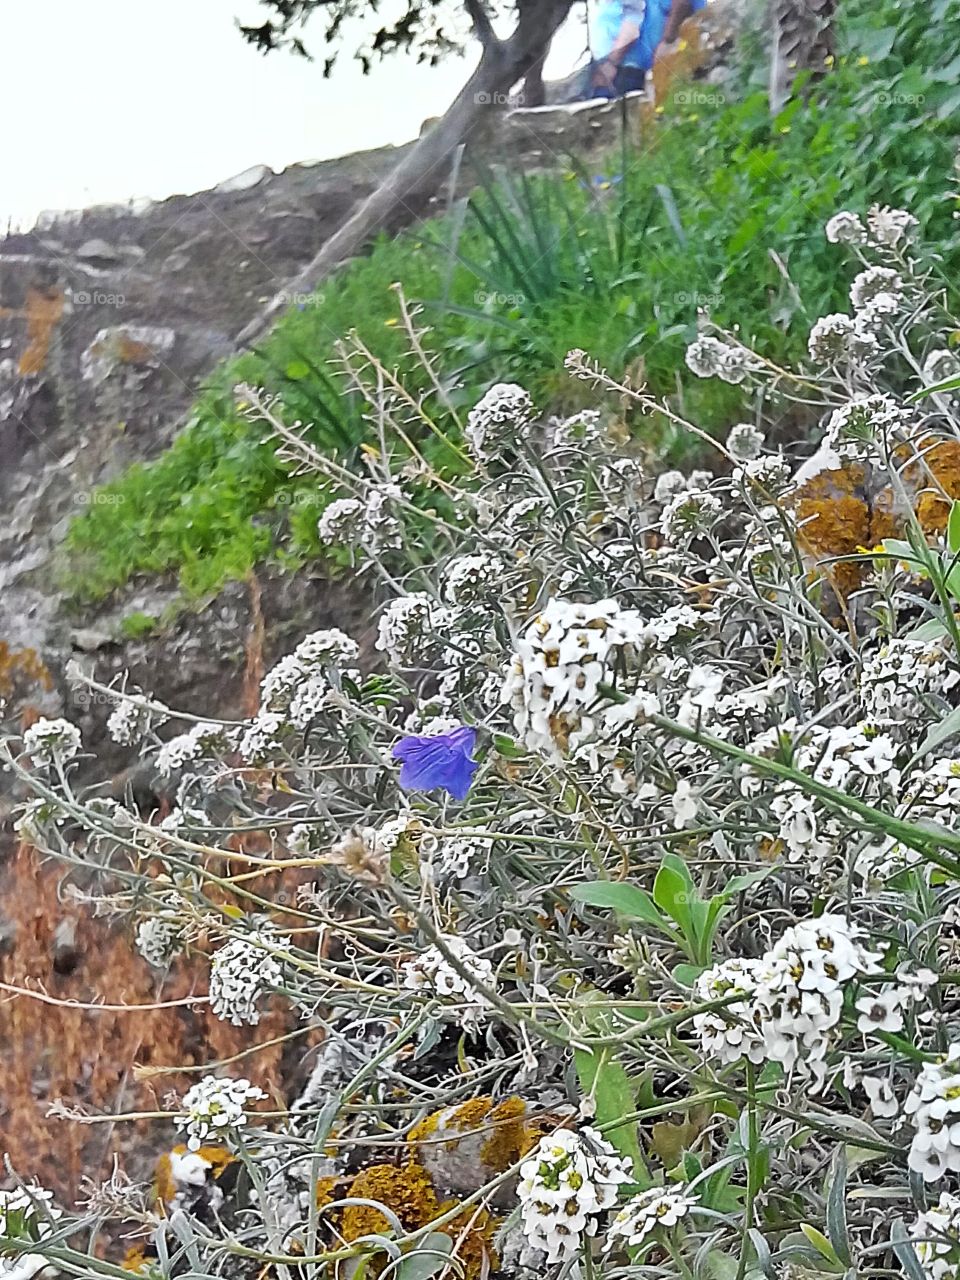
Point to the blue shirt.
(652, 18)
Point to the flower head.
(214, 1110)
(442, 760)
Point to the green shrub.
(720, 205)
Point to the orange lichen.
(135, 1260)
(22, 665)
(472, 1233)
(508, 1140)
(43, 310)
(407, 1191)
(425, 1128)
(833, 519)
(164, 1185)
(325, 1191)
(467, 1117)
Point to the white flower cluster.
(855, 426)
(130, 721)
(845, 228)
(498, 420)
(159, 939)
(895, 680)
(689, 515)
(793, 997)
(641, 1216)
(215, 1110)
(567, 1183)
(559, 663)
(369, 524)
(47, 741)
(431, 972)
(412, 628)
(936, 1238)
(934, 1107)
(473, 579)
(203, 739)
(240, 972)
(745, 442)
(26, 1212)
(302, 683)
(709, 357)
(890, 228)
(886, 228)
(837, 336)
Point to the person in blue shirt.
(628, 36)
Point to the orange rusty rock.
(22, 665)
(43, 311)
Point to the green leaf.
(506, 747)
(431, 1255)
(602, 1077)
(877, 43)
(932, 629)
(948, 727)
(737, 884)
(906, 1254)
(837, 1208)
(296, 370)
(673, 893)
(720, 1266)
(627, 899)
(953, 528)
(687, 974)
(948, 384)
(821, 1244)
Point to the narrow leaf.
(947, 728)
(906, 1254)
(837, 1208)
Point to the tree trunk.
(803, 40)
(502, 64)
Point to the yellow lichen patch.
(43, 310)
(22, 664)
(426, 1127)
(506, 1143)
(472, 1234)
(135, 1260)
(833, 519)
(407, 1191)
(325, 1191)
(467, 1117)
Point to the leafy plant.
(674, 908)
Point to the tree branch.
(480, 19)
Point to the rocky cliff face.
(110, 320)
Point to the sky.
(110, 100)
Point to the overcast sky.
(105, 100)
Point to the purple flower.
(438, 760)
